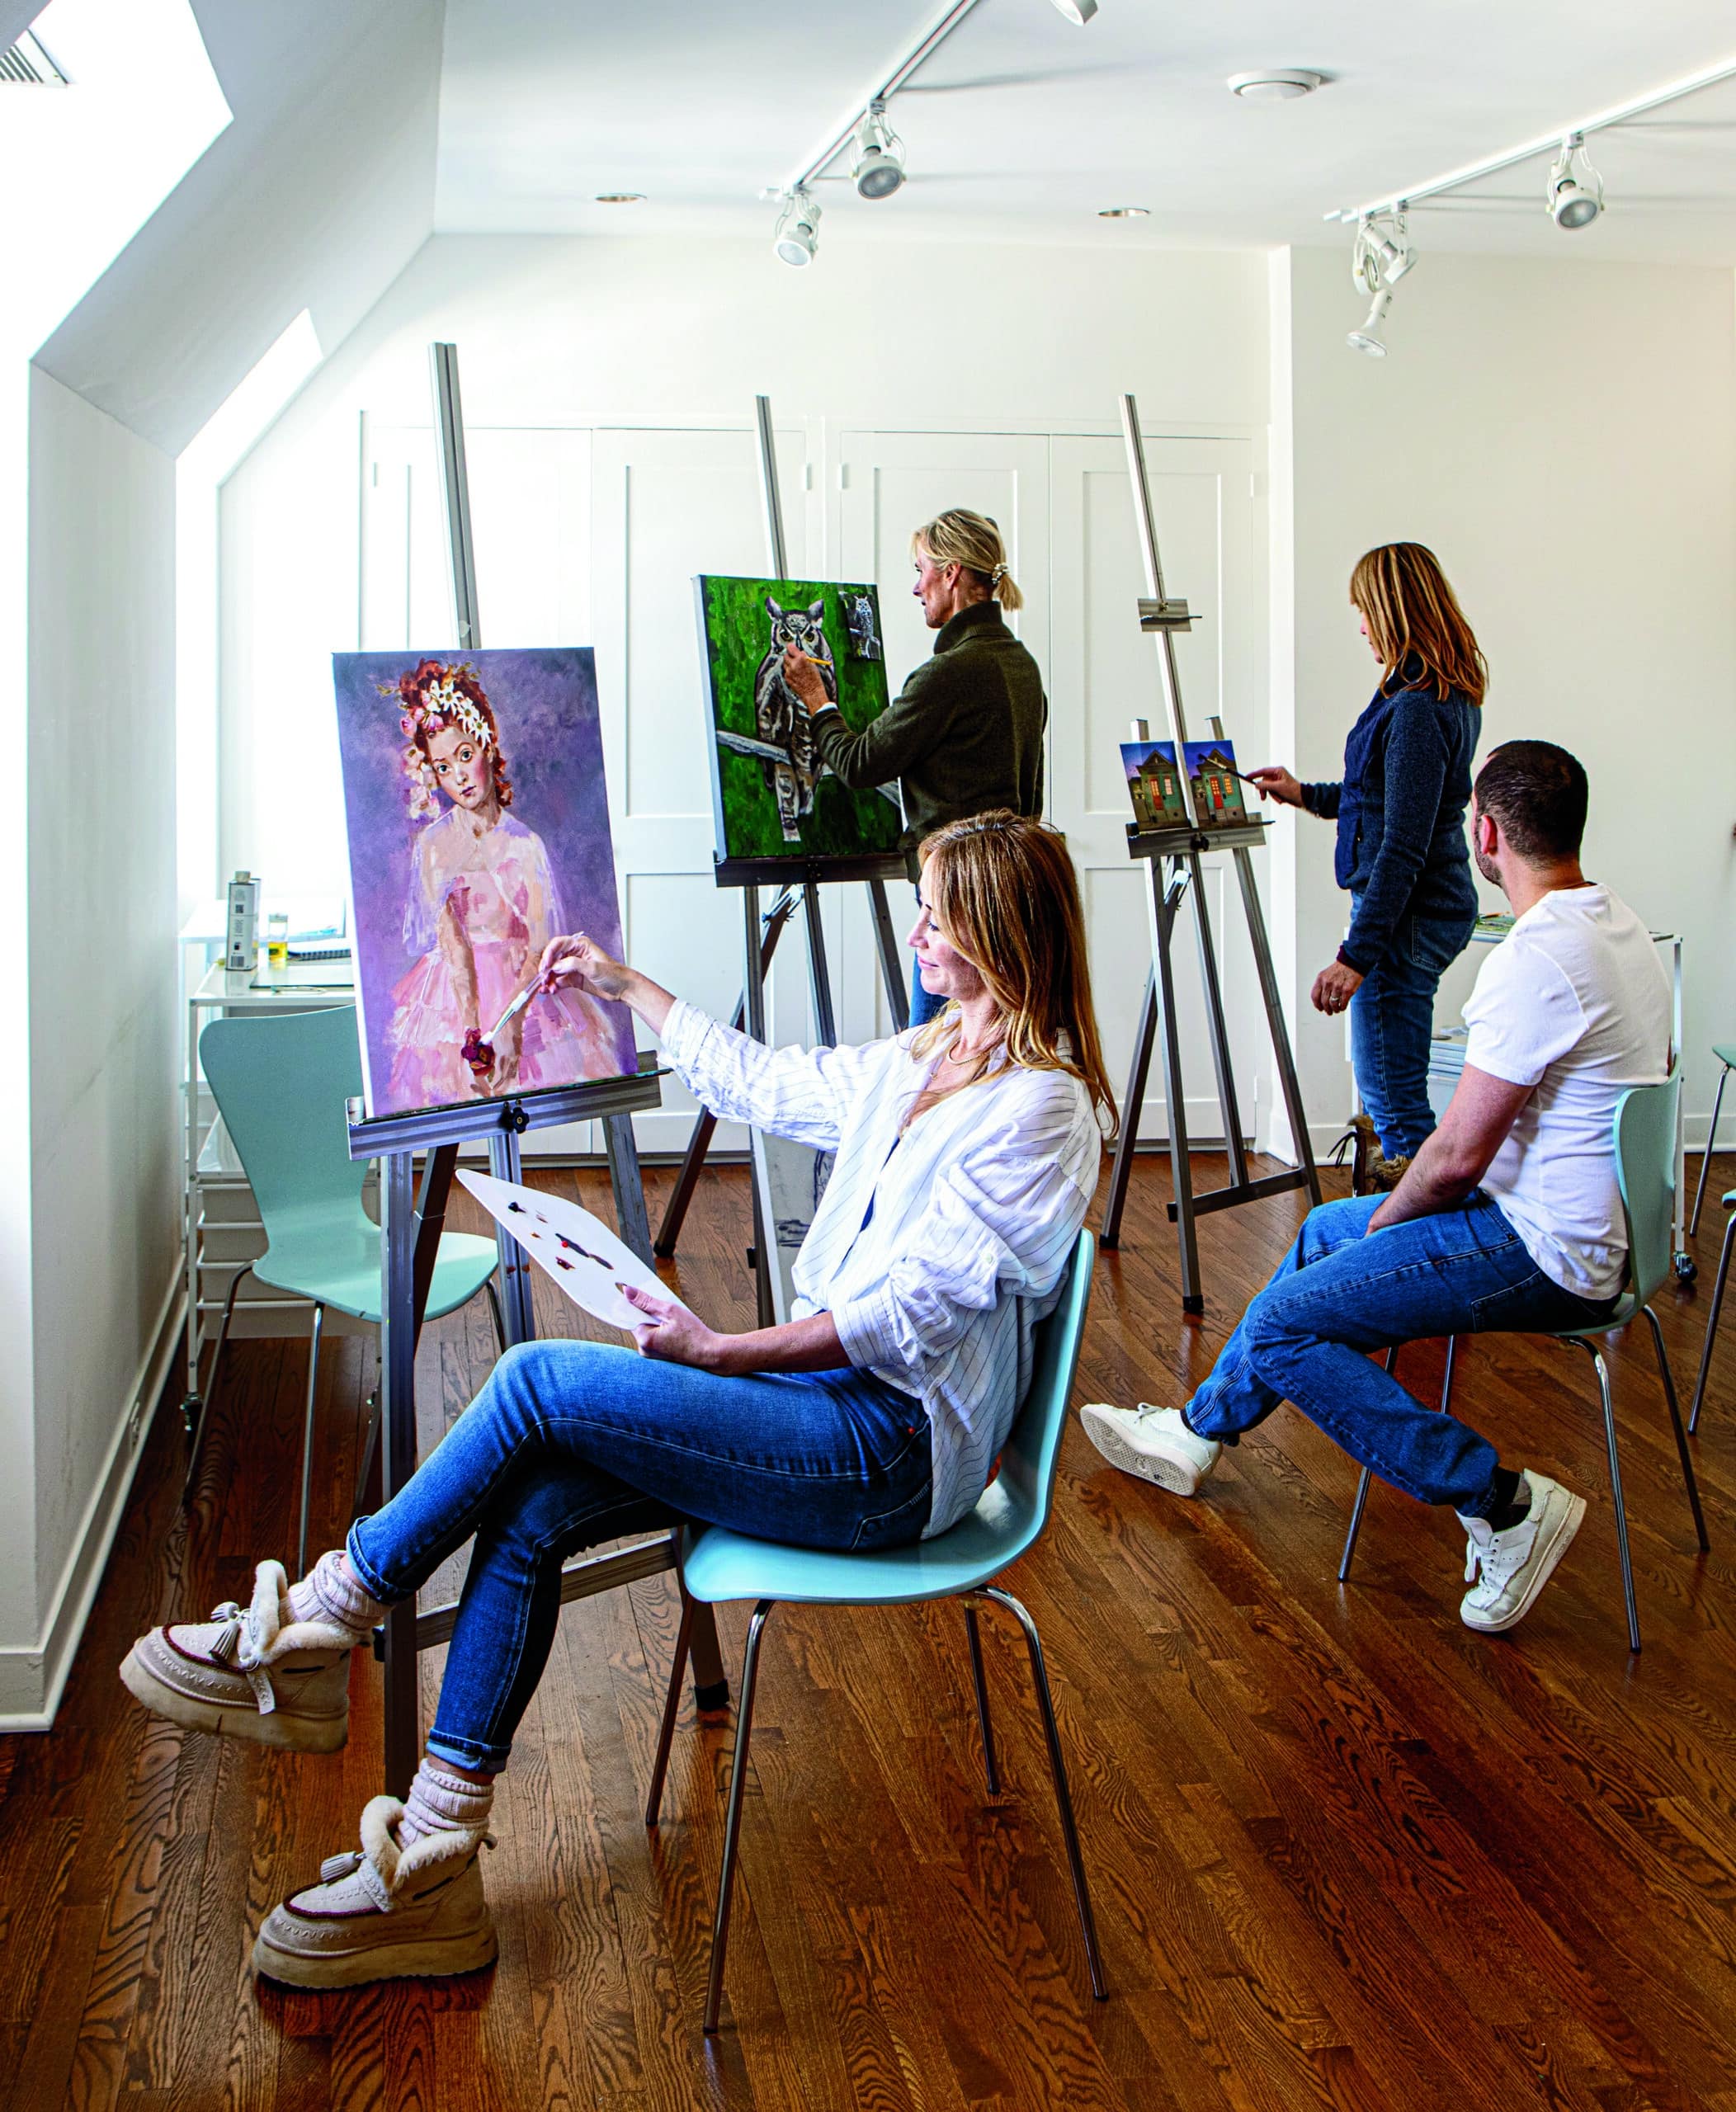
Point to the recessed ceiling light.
(1124, 212)
(620, 197)
(1275, 84)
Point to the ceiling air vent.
(28, 65)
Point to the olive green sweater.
(964, 733)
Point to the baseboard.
(32, 1681)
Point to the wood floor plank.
(1344, 1853)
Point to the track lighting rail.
(1546, 143)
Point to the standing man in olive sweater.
(965, 735)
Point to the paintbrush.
(514, 1010)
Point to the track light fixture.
(1394, 252)
(879, 167)
(798, 233)
(1368, 338)
(1077, 11)
(1574, 200)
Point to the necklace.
(955, 1055)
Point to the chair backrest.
(280, 1081)
(1645, 1169)
(1026, 1483)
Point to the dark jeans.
(1391, 1018)
(1342, 1292)
(571, 1443)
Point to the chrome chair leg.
(1682, 1441)
(671, 1709)
(307, 1444)
(1063, 1796)
(500, 1324)
(1705, 1157)
(1621, 1531)
(210, 1391)
(733, 1823)
(1711, 1321)
(990, 1771)
(1361, 1504)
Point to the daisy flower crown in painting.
(432, 698)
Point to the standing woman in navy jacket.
(1401, 851)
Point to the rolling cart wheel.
(190, 1408)
(1686, 1268)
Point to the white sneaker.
(1512, 1568)
(1153, 1443)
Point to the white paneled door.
(888, 483)
(1103, 674)
(667, 504)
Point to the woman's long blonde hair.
(961, 537)
(1413, 615)
(1004, 894)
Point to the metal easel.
(1180, 848)
(411, 1220)
(760, 936)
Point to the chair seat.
(718, 1564)
(338, 1264)
(1725, 1052)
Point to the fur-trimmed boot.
(388, 1912)
(257, 1673)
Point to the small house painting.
(1154, 784)
(1217, 784)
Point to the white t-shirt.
(1574, 1001)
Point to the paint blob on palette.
(583, 1255)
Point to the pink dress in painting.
(504, 909)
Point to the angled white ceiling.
(315, 197)
(1024, 125)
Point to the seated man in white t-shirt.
(1509, 1217)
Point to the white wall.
(103, 1208)
(1563, 436)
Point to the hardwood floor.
(1344, 1852)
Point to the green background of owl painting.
(735, 635)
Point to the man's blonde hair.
(961, 537)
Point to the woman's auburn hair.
(1415, 623)
(1004, 892)
(961, 537)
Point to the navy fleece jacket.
(1400, 809)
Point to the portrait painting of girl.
(463, 866)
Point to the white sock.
(328, 1592)
(443, 1801)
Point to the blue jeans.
(571, 1443)
(1391, 1018)
(1339, 1294)
(923, 1005)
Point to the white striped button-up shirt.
(936, 1253)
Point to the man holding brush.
(965, 735)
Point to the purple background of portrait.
(544, 704)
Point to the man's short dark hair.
(1538, 794)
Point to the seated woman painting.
(967, 1151)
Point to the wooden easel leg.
(1131, 1101)
(1220, 1029)
(505, 1162)
(893, 970)
(628, 1183)
(1164, 903)
(397, 1427)
(675, 1211)
(1274, 1003)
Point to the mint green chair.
(961, 1563)
(1725, 1052)
(1645, 1171)
(281, 1082)
(1711, 1320)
